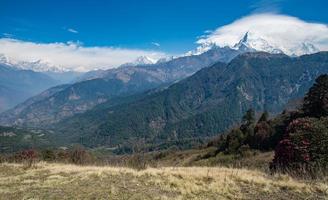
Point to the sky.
(130, 28)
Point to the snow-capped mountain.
(254, 42)
(142, 60)
(304, 48)
(59, 74)
(37, 66)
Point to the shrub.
(245, 151)
(304, 147)
(137, 161)
(48, 155)
(28, 157)
(62, 156)
(78, 155)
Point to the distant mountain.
(254, 42)
(37, 66)
(64, 77)
(60, 75)
(142, 60)
(18, 85)
(100, 86)
(202, 105)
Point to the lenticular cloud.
(286, 33)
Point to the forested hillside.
(202, 105)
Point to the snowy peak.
(37, 66)
(253, 42)
(243, 44)
(201, 49)
(142, 60)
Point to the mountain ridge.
(105, 85)
(194, 107)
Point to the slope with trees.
(202, 105)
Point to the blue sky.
(171, 26)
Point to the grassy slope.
(63, 181)
(202, 157)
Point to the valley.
(138, 100)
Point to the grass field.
(64, 181)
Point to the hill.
(202, 105)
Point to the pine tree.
(249, 117)
(264, 117)
(316, 100)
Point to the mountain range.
(207, 103)
(172, 100)
(18, 85)
(202, 105)
(97, 87)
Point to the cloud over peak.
(281, 31)
(71, 56)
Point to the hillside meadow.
(67, 181)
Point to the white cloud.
(208, 31)
(156, 44)
(282, 31)
(70, 55)
(72, 30)
(7, 35)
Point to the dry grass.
(63, 181)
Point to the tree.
(264, 117)
(316, 100)
(235, 139)
(249, 117)
(262, 138)
(248, 124)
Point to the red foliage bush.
(28, 156)
(303, 146)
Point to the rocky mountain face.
(101, 86)
(202, 105)
(18, 85)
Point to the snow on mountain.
(204, 47)
(270, 32)
(142, 60)
(254, 42)
(304, 48)
(166, 59)
(37, 66)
